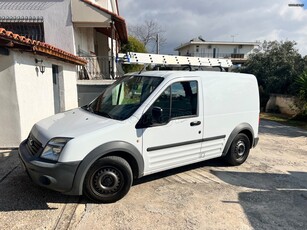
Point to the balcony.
(99, 68)
(237, 56)
(232, 56)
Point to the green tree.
(302, 92)
(133, 45)
(276, 66)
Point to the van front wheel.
(108, 180)
(239, 150)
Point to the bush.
(133, 45)
(301, 81)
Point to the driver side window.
(177, 101)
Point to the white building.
(236, 51)
(71, 39)
(37, 80)
(92, 29)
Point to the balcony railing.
(218, 55)
(97, 68)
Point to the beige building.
(236, 51)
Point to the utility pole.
(157, 44)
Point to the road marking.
(64, 220)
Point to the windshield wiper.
(88, 108)
(91, 110)
(105, 114)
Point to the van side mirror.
(152, 116)
(157, 114)
(144, 122)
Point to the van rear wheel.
(239, 150)
(108, 180)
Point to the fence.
(97, 68)
(218, 55)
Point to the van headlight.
(54, 148)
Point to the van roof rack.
(173, 60)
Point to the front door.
(174, 135)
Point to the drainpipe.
(112, 49)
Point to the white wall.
(34, 91)
(58, 26)
(70, 87)
(226, 49)
(9, 110)
(27, 95)
(107, 4)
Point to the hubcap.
(240, 148)
(107, 180)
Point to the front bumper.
(56, 176)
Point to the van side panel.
(229, 100)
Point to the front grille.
(33, 144)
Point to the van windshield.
(124, 97)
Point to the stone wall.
(283, 104)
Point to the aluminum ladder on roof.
(172, 60)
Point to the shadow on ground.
(210, 163)
(278, 200)
(19, 193)
(274, 128)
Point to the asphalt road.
(269, 191)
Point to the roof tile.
(41, 47)
(16, 36)
(9, 33)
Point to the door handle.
(195, 123)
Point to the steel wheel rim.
(107, 181)
(240, 148)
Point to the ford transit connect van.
(142, 124)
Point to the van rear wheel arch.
(239, 150)
(244, 128)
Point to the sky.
(221, 20)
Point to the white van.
(142, 124)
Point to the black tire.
(108, 180)
(239, 150)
